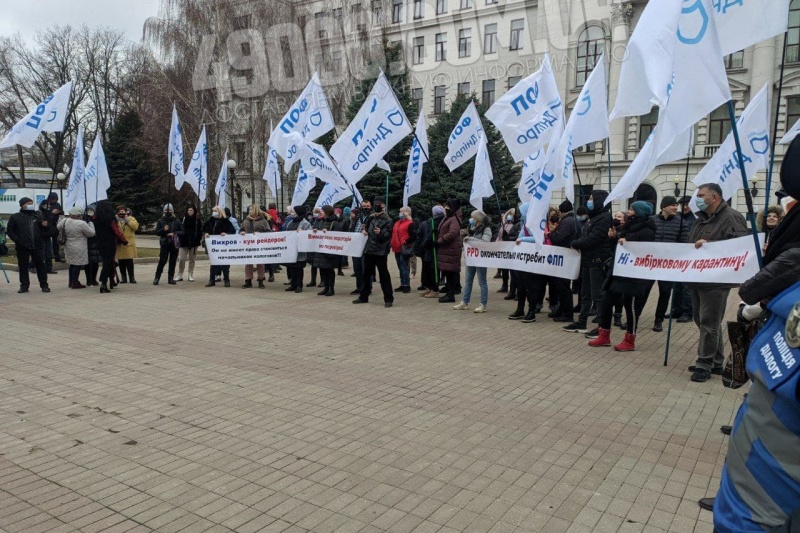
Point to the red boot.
(603, 338)
(627, 345)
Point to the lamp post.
(231, 164)
(754, 186)
(677, 181)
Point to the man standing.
(357, 227)
(378, 229)
(26, 229)
(55, 213)
(563, 235)
(716, 221)
(684, 304)
(670, 228)
(167, 228)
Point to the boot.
(155, 280)
(510, 296)
(503, 289)
(447, 298)
(261, 284)
(658, 326)
(322, 292)
(618, 320)
(603, 338)
(271, 278)
(171, 281)
(104, 288)
(227, 283)
(78, 285)
(211, 283)
(627, 345)
(248, 284)
(329, 292)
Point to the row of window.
(488, 91)
(8, 197)
(490, 42)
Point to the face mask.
(90, 213)
(701, 204)
(366, 210)
(215, 214)
(379, 209)
(509, 219)
(785, 201)
(401, 216)
(583, 218)
(554, 219)
(590, 205)
(29, 207)
(472, 222)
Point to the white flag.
(463, 142)
(482, 176)
(318, 164)
(418, 157)
(76, 187)
(332, 194)
(379, 125)
(272, 172)
(531, 172)
(96, 178)
(222, 183)
(310, 116)
(744, 23)
(551, 179)
(197, 172)
(791, 134)
(175, 150)
(303, 186)
(528, 114)
(49, 116)
(753, 125)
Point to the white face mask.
(785, 201)
(215, 214)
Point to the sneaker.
(516, 315)
(717, 370)
(480, 309)
(191, 278)
(658, 327)
(685, 318)
(576, 327)
(529, 318)
(179, 277)
(701, 376)
(460, 306)
(593, 334)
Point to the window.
(513, 80)
(463, 89)
(490, 39)
(719, 125)
(490, 2)
(516, 34)
(466, 4)
(646, 125)
(464, 42)
(439, 93)
(337, 15)
(441, 46)
(441, 7)
(418, 51)
(286, 51)
(793, 42)
(336, 62)
(488, 92)
(301, 22)
(397, 11)
(377, 12)
(242, 23)
(319, 17)
(590, 47)
(240, 149)
(419, 9)
(792, 112)
(735, 60)
(416, 97)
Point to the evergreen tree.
(133, 179)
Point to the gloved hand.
(748, 313)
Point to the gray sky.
(26, 16)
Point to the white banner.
(332, 242)
(531, 172)
(303, 186)
(733, 261)
(272, 173)
(76, 186)
(332, 195)
(546, 260)
(482, 176)
(463, 142)
(253, 249)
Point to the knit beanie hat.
(168, 207)
(668, 201)
(642, 209)
(565, 207)
(24, 200)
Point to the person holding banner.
(252, 224)
(638, 227)
(357, 226)
(295, 270)
(528, 283)
(169, 230)
(218, 224)
(669, 229)
(403, 231)
(327, 263)
(716, 221)
(479, 230)
(509, 232)
(378, 229)
(563, 235)
(448, 248)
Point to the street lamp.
(677, 191)
(754, 186)
(231, 164)
(61, 177)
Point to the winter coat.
(128, 229)
(774, 278)
(668, 229)
(77, 231)
(566, 232)
(26, 230)
(192, 232)
(320, 260)
(94, 251)
(509, 231)
(255, 225)
(402, 235)
(636, 230)
(724, 224)
(217, 226)
(480, 233)
(299, 224)
(427, 233)
(378, 243)
(174, 226)
(593, 244)
(449, 243)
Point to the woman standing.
(108, 236)
(77, 232)
(218, 224)
(254, 223)
(479, 230)
(509, 232)
(403, 233)
(190, 240)
(766, 222)
(327, 263)
(449, 249)
(169, 229)
(92, 268)
(426, 240)
(128, 226)
(295, 270)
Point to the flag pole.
(608, 153)
(748, 197)
(775, 127)
(4, 271)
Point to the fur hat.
(379, 200)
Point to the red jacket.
(400, 234)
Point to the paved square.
(210, 409)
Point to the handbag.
(734, 374)
(176, 241)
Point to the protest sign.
(253, 249)
(332, 242)
(552, 261)
(733, 261)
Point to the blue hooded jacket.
(524, 232)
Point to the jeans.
(358, 268)
(23, 256)
(403, 267)
(371, 262)
(592, 278)
(709, 309)
(481, 271)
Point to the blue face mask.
(29, 207)
(590, 205)
(472, 222)
(701, 204)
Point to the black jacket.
(636, 230)
(192, 234)
(774, 278)
(594, 244)
(217, 226)
(566, 232)
(378, 244)
(26, 230)
(175, 227)
(321, 260)
(667, 229)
